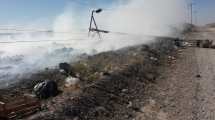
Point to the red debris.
(18, 108)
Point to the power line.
(80, 3)
(60, 32)
(41, 31)
(35, 41)
(89, 4)
(69, 32)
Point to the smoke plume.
(130, 23)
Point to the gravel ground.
(180, 94)
(206, 95)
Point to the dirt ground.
(180, 94)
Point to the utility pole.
(93, 22)
(191, 13)
(195, 17)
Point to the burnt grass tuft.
(131, 69)
(112, 83)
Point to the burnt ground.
(113, 84)
(145, 82)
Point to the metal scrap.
(22, 107)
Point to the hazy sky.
(205, 11)
(20, 12)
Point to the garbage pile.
(66, 69)
(46, 89)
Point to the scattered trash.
(124, 90)
(72, 82)
(204, 43)
(198, 76)
(207, 43)
(21, 107)
(101, 110)
(178, 43)
(198, 43)
(46, 89)
(66, 69)
(130, 104)
(171, 58)
(106, 74)
(153, 58)
(106, 90)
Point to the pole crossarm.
(93, 22)
(98, 30)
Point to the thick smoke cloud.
(149, 17)
(134, 19)
(130, 22)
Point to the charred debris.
(104, 86)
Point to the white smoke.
(148, 17)
(132, 22)
(129, 21)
